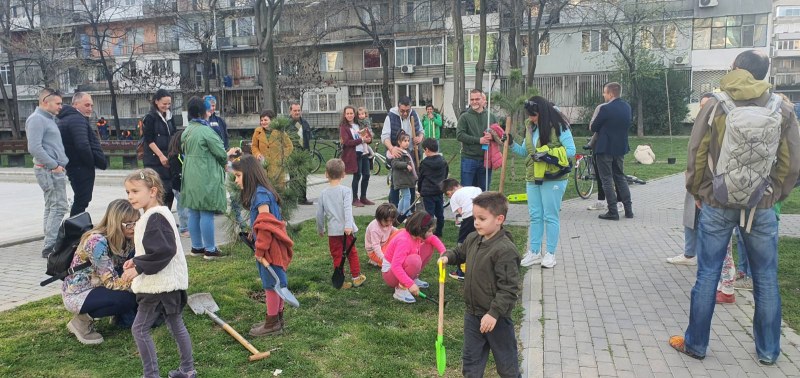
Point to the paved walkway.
(606, 309)
(612, 302)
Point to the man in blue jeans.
(49, 160)
(471, 132)
(746, 86)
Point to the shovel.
(337, 279)
(425, 296)
(283, 292)
(441, 354)
(203, 303)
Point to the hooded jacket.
(158, 129)
(80, 140)
(706, 141)
(272, 241)
(491, 283)
(432, 171)
(469, 132)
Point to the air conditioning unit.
(681, 60)
(438, 81)
(708, 3)
(407, 69)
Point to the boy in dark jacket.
(491, 289)
(432, 171)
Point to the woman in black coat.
(157, 130)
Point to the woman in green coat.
(203, 181)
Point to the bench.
(15, 150)
(123, 148)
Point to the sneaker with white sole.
(549, 260)
(531, 259)
(403, 295)
(744, 283)
(421, 284)
(682, 260)
(599, 205)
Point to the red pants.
(336, 246)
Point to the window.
(129, 69)
(331, 61)
(161, 67)
(472, 46)
(420, 94)
(244, 26)
(659, 37)
(5, 71)
(321, 102)
(727, 32)
(544, 45)
(373, 100)
(594, 40)
(375, 10)
(372, 58)
(135, 39)
(244, 67)
(418, 11)
(287, 65)
(789, 44)
(788, 11)
(419, 52)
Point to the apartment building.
(326, 60)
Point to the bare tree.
(11, 106)
(44, 49)
(299, 74)
(459, 85)
(267, 15)
(480, 66)
(538, 27)
(627, 25)
(198, 27)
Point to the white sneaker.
(549, 260)
(403, 295)
(421, 284)
(620, 207)
(599, 205)
(682, 260)
(531, 259)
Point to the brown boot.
(272, 326)
(280, 317)
(82, 326)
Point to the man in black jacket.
(82, 148)
(611, 125)
(302, 141)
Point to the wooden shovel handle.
(238, 337)
(440, 328)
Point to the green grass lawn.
(788, 272)
(359, 332)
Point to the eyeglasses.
(53, 92)
(128, 225)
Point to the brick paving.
(612, 302)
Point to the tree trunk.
(513, 34)
(265, 12)
(207, 69)
(12, 106)
(459, 87)
(387, 100)
(268, 78)
(533, 44)
(113, 94)
(480, 66)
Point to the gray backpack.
(748, 152)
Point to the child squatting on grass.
(407, 254)
(335, 210)
(159, 273)
(493, 263)
(379, 232)
(273, 245)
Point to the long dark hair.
(344, 121)
(161, 93)
(253, 175)
(549, 118)
(175, 144)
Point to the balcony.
(91, 87)
(243, 41)
(375, 75)
(158, 8)
(787, 80)
(156, 47)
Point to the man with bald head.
(82, 148)
(49, 160)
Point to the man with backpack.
(744, 156)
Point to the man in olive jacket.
(471, 132)
(82, 148)
(746, 86)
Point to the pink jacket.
(404, 245)
(375, 236)
(495, 148)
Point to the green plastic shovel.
(441, 354)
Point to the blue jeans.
(689, 241)
(54, 186)
(474, 174)
(713, 235)
(201, 230)
(267, 281)
(544, 204)
(405, 200)
(183, 213)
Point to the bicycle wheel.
(376, 163)
(317, 161)
(584, 177)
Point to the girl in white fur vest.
(159, 273)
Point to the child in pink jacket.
(406, 255)
(379, 231)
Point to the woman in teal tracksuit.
(549, 149)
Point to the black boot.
(609, 216)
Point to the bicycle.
(585, 174)
(318, 153)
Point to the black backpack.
(69, 236)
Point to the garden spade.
(425, 296)
(337, 279)
(441, 354)
(283, 292)
(203, 303)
